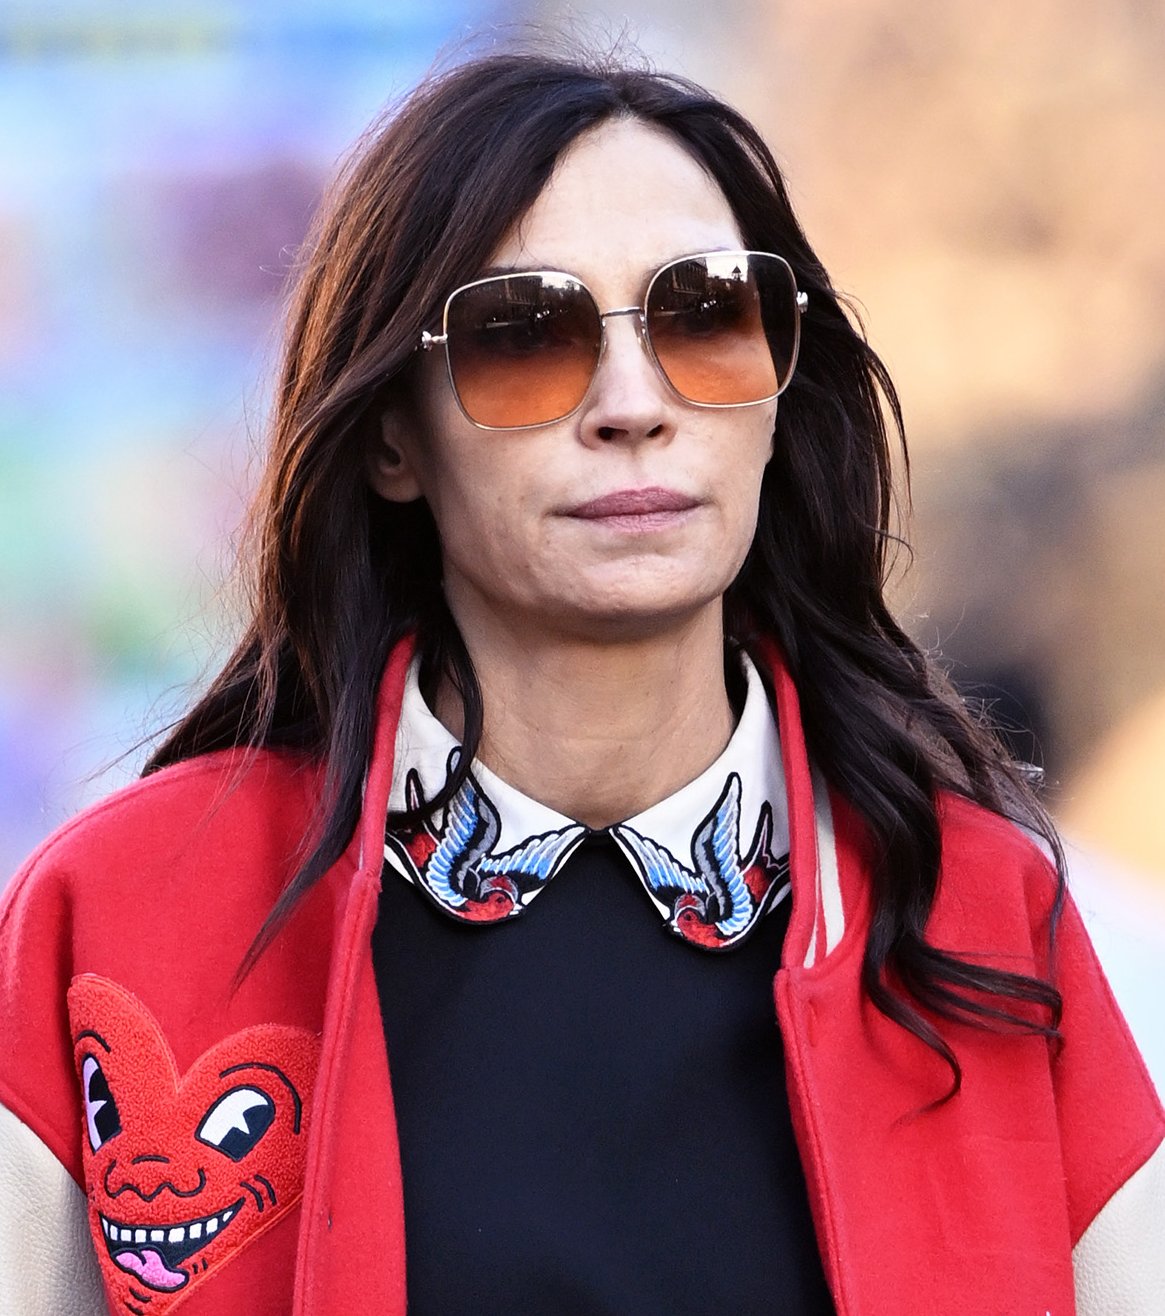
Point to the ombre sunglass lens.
(723, 327)
(523, 348)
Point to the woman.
(555, 598)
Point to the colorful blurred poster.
(159, 164)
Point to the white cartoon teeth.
(192, 1230)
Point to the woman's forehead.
(623, 199)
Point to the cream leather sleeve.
(1120, 1259)
(47, 1264)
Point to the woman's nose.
(628, 398)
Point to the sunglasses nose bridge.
(642, 333)
(621, 312)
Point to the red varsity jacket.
(180, 1144)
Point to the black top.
(592, 1112)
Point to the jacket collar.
(710, 857)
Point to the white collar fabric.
(712, 857)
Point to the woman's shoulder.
(161, 888)
(193, 814)
(967, 825)
(974, 838)
(995, 874)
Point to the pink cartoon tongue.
(150, 1269)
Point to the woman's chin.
(600, 602)
(629, 614)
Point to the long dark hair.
(339, 576)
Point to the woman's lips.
(636, 509)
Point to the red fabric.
(971, 1206)
(958, 1206)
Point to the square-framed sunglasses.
(722, 327)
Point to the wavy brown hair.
(339, 576)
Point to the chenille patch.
(182, 1171)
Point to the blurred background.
(987, 181)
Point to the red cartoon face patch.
(183, 1170)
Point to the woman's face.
(525, 539)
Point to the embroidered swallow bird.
(717, 901)
(455, 866)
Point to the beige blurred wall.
(988, 181)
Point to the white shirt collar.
(710, 856)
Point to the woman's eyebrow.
(537, 267)
(491, 271)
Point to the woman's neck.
(599, 731)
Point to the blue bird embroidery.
(717, 901)
(455, 866)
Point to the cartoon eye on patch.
(101, 1118)
(236, 1122)
(183, 1170)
